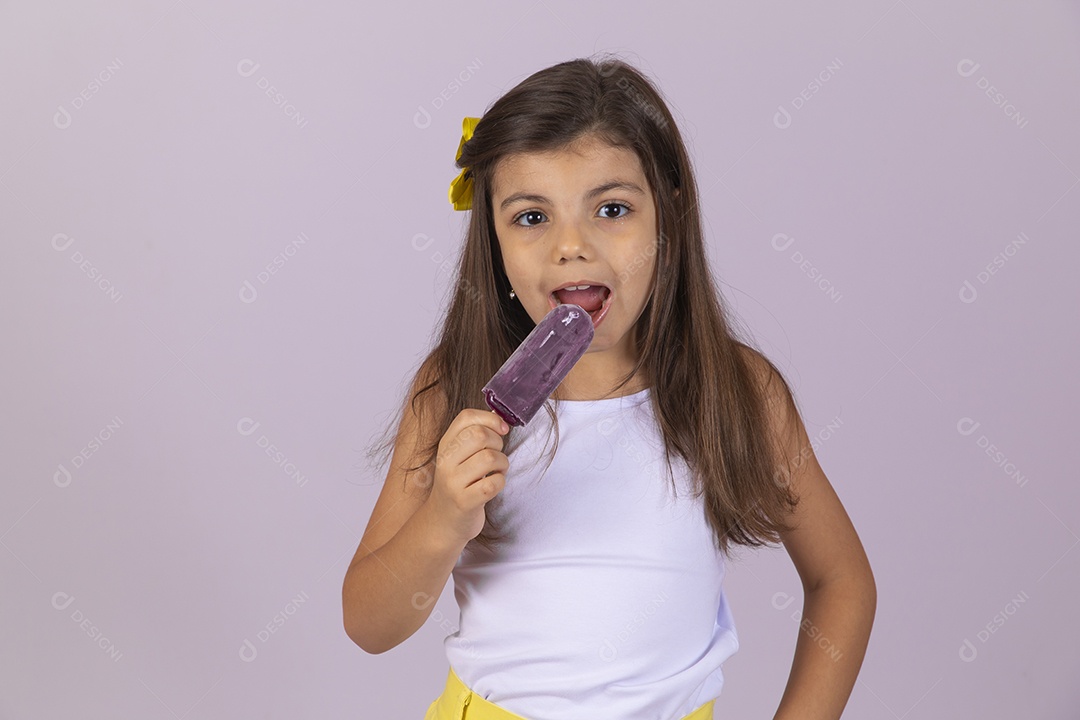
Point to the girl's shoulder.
(766, 376)
(408, 478)
(773, 392)
(425, 403)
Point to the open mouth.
(586, 296)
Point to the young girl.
(590, 585)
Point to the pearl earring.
(512, 295)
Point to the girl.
(588, 588)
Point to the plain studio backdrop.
(227, 243)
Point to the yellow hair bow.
(461, 187)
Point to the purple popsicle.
(535, 369)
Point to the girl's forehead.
(587, 147)
(585, 155)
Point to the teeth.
(570, 287)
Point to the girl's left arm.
(838, 584)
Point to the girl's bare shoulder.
(405, 490)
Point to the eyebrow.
(598, 190)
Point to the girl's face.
(581, 215)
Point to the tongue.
(590, 299)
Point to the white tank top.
(607, 600)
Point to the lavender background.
(227, 240)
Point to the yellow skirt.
(458, 702)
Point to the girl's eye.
(534, 217)
(610, 211)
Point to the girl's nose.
(571, 242)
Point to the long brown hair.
(710, 390)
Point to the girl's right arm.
(417, 531)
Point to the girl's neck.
(635, 385)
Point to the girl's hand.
(470, 469)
